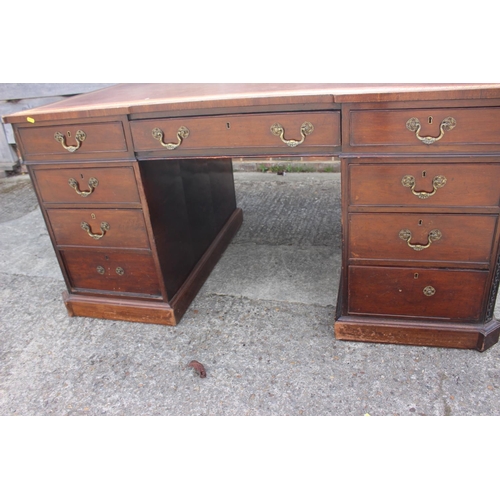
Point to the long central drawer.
(287, 133)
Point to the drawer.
(424, 185)
(426, 130)
(86, 185)
(453, 238)
(76, 141)
(419, 293)
(119, 272)
(119, 228)
(238, 134)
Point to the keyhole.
(106, 257)
(93, 216)
(81, 175)
(430, 119)
(228, 125)
(424, 173)
(420, 222)
(69, 133)
(415, 276)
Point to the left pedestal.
(136, 241)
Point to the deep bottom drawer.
(414, 292)
(119, 272)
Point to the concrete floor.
(261, 325)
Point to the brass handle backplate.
(438, 182)
(79, 137)
(119, 270)
(86, 227)
(413, 125)
(93, 183)
(429, 291)
(305, 130)
(182, 133)
(434, 235)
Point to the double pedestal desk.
(135, 184)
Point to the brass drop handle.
(93, 183)
(86, 227)
(182, 133)
(429, 291)
(413, 125)
(79, 137)
(438, 182)
(434, 235)
(305, 130)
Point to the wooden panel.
(97, 270)
(239, 132)
(106, 137)
(464, 238)
(126, 227)
(396, 292)
(115, 184)
(143, 311)
(189, 202)
(385, 129)
(467, 184)
(424, 333)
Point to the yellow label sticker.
(31, 120)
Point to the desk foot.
(141, 311)
(452, 335)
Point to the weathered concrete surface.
(261, 325)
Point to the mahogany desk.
(135, 185)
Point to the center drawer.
(121, 228)
(288, 133)
(416, 292)
(415, 237)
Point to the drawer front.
(120, 272)
(457, 238)
(419, 293)
(423, 185)
(317, 130)
(76, 141)
(119, 228)
(87, 185)
(426, 130)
